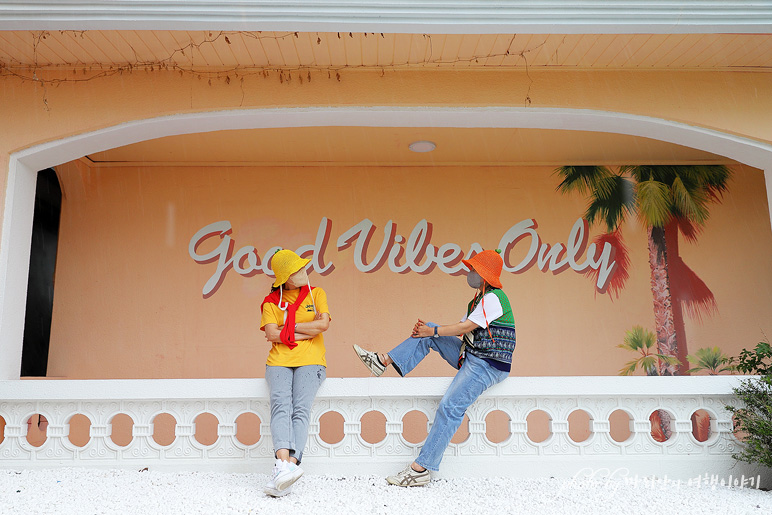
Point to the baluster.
(558, 410)
(264, 447)
(227, 445)
(641, 441)
(185, 445)
(478, 444)
(142, 446)
(723, 440)
(315, 446)
(518, 444)
(394, 445)
(600, 441)
(100, 446)
(57, 446)
(352, 444)
(15, 446)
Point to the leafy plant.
(712, 360)
(755, 416)
(642, 341)
(756, 362)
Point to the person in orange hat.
(480, 347)
(294, 316)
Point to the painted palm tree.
(712, 360)
(658, 195)
(642, 341)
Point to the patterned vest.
(501, 346)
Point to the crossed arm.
(303, 330)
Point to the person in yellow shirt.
(294, 316)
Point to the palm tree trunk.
(660, 419)
(667, 343)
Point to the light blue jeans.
(293, 390)
(474, 377)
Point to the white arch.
(23, 165)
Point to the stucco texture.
(130, 303)
(128, 295)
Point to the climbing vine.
(84, 72)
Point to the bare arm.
(303, 330)
(421, 329)
(319, 325)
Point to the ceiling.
(388, 146)
(325, 50)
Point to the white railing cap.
(384, 387)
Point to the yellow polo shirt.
(308, 352)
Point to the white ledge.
(384, 387)
(402, 16)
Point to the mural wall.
(162, 269)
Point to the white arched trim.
(23, 165)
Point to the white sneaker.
(270, 489)
(410, 477)
(285, 473)
(370, 360)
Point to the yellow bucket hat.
(285, 263)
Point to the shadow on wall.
(691, 296)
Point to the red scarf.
(288, 331)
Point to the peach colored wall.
(734, 102)
(738, 101)
(129, 304)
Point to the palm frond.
(658, 173)
(649, 363)
(712, 360)
(690, 202)
(670, 360)
(654, 204)
(713, 179)
(629, 368)
(661, 192)
(638, 339)
(582, 179)
(611, 201)
(621, 255)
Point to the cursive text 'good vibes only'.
(415, 253)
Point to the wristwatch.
(435, 335)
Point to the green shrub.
(755, 416)
(756, 362)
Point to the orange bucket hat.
(488, 264)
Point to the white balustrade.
(680, 457)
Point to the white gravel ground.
(89, 491)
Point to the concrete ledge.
(382, 387)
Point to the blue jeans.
(474, 377)
(292, 392)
